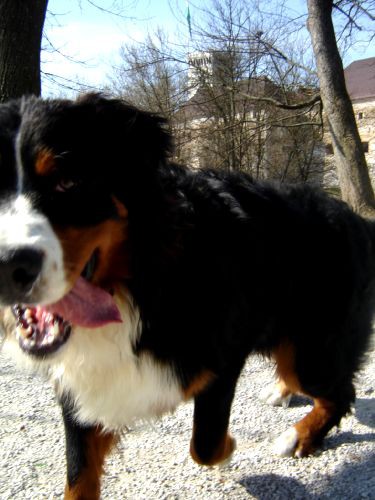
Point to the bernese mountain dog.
(135, 283)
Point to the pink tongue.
(87, 305)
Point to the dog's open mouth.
(38, 331)
(42, 330)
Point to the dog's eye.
(65, 185)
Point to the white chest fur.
(109, 384)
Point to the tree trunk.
(21, 27)
(350, 160)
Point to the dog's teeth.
(22, 332)
(55, 329)
(28, 316)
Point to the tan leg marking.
(313, 425)
(198, 384)
(282, 388)
(284, 355)
(87, 486)
(302, 439)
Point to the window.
(365, 146)
(329, 149)
(360, 115)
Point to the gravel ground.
(152, 461)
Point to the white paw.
(286, 443)
(272, 395)
(228, 460)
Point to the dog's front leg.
(86, 448)
(211, 443)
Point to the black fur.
(75, 442)
(221, 266)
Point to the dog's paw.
(274, 396)
(285, 445)
(224, 463)
(290, 444)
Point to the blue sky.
(84, 33)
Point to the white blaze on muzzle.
(22, 227)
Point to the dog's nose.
(19, 269)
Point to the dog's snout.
(25, 266)
(19, 270)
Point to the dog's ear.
(140, 137)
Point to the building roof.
(360, 79)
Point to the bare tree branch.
(315, 99)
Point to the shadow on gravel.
(353, 480)
(272, 486)
(298, 401)
(346, 437)
(365, 411)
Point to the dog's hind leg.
(86, 448)
(306, 435)
(211, 443)
(276, 394)
(329, 407)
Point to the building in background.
(360, 83)
(210, 68)
(229, 121)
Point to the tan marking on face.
(109, 239)
(45, 162)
